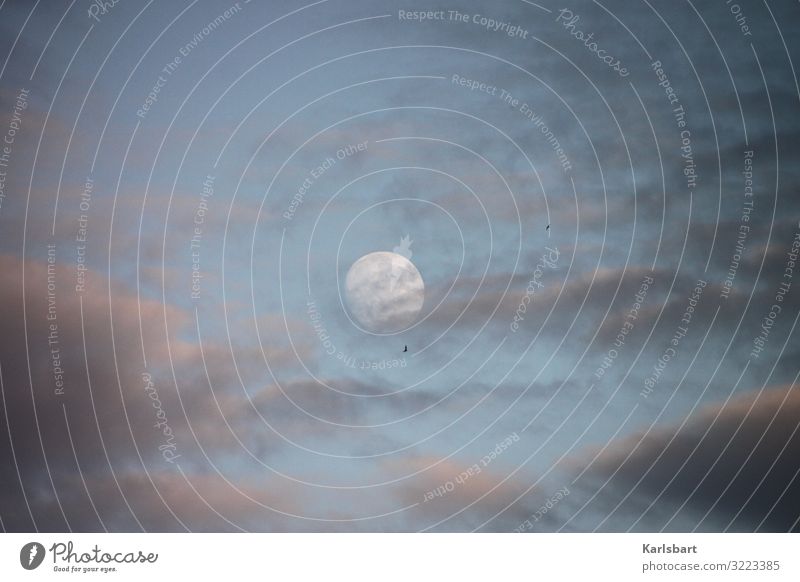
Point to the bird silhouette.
(405, 349)
(548, 227)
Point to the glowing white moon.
(385, 292)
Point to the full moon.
(385, 292)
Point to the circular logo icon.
(31, 555)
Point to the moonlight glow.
(385, 292)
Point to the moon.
(385, 292)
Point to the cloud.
(170, 501)
(105, 424)
(455, 495)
